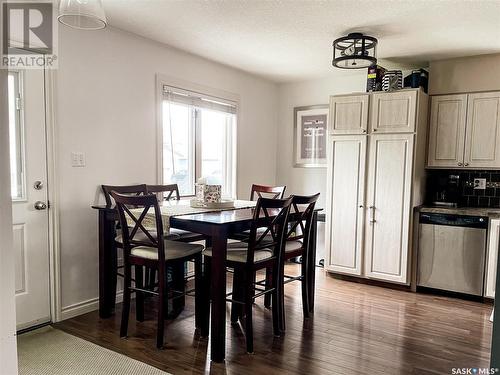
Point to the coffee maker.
(445, 190)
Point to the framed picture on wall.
(310, 133)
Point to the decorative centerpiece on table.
(209, 196)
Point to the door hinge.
(19, 103)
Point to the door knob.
(39, 205)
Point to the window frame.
(20, 128)
(204, 91)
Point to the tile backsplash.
(468, 196)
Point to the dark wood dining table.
(218, 227)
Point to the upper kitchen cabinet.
(393, 112)
(464, 131)
(349, 114)
(482, 136)
(447, 130)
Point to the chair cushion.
(173, 250)
(140, 236)
(293, 245)
(184, 234)
(237, 252)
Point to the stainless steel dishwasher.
(452, 252)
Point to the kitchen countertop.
(493, 213)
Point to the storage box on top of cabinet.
(375, 179)
(465, 131)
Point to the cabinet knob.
(460, 164)
(466, 164)
(360, 206)
(364, 131)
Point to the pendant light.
(354, 51)
(82, 14)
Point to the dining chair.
(297, 240)
(155, 253)
(246, 258)
(256, 192)
(262, 191)
(171, 192)
(139, 189)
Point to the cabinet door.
(345, 199)
(482, 138)
(349, 114)
(394, 112)
(389, 206)
(447, 131)
(491, 265)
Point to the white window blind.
(177, 95)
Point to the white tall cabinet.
(374, 181)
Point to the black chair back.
(132, 211)
(122, 189)
(271, 215)
(261, 191)
(164, 192)
(300, 228)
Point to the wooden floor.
(356, 329)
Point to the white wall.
(8, 349)
(465, 74)
(106, 109)
(290, 95)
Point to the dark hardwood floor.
(356, 329)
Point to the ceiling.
(291, 40)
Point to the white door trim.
(53, 195)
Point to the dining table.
(218, 226)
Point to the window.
(198, 140)
(16, 137)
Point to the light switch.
(77, 159)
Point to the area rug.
(49, 351)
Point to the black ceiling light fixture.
(354, 51)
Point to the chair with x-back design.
(297, 241)
(246, 258)
(152, 251)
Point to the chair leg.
(269, 282)
(276, 304)
(162, 296)
(238, 296)
(249, 294)
(280, 292)
(139, 296)
(205, 321)
(151, 279)
(126, 300)
(199, 307)
(305, 286)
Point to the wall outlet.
(479, 183)
(77, 159)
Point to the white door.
(349, 114)
(388, 212)
(30, 225)
(394, 112)
(491, 265)
(482, 138)
(345, 206)
(447, 131)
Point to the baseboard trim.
(84, 307)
